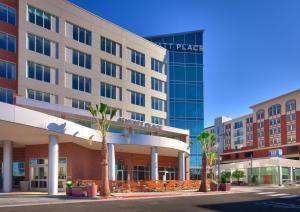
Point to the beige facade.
(63, 14)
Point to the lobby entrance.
(39, 174)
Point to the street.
(263, 200)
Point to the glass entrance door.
(39, 174)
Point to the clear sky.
(252, 47)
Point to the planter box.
(225, 186)
(24, 185)
(213, 187)
(69, 191)
(77, 191)
(91, 191)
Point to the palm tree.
(212, 157)
(205, 139)
(103, 125)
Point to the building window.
(7, 42)
(41, 73)
(260, 115)
(111, 47)
(291, 127)
(81, 83)
(81, 59)
(260, 134)
(261, 143)
(228, 126)
(137, 57)
(291, 138)
(275, 110)
(137, 78)
(141, 173)
(41, 96)
(137, 116)
(158, 85)
(6, 95)
(80, 34)
(110, 109)
(291, 117)
(157, 66)
(260, 125)
(238, 124)
(110, 91)
(238, 140)
(137, 98)
(249, 120)
(79, 104)
(274, 141)
(7, 70)
(157, 104)
(111, 69)
(275, 121)
(7, 14)
(274, 131)
(42, 45)
(249, 128)
(42, 18)
(291, 105)
(157, 120)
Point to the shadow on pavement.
(255, 206)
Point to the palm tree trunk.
(203, 186)
(104, 189)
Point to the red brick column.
(266, 131)
(283, 130)
(298, 126)
(255, 141)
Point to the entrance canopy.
(29, 127)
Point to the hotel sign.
(182, 47)
(137, 123)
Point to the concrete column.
(181, 165)
(53, 165)
(7, 166)
(112, 162)
(154, 163)
(280, 175)
(291, 174)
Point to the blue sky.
(252, 47)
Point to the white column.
(112, 162)
(291, 174)
(53, 165)
(280, 175)
(7, 166)
(154, 163)
(181, 165)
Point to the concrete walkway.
(15, 199)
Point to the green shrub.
(226, 175)
(237, 174)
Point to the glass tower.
(185, 87)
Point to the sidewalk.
(17, 199)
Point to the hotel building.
(56, 60)
(271, 130)
(185, 87)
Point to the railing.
(148, 186)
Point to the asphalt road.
(273, 200)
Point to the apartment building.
(271, 130)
